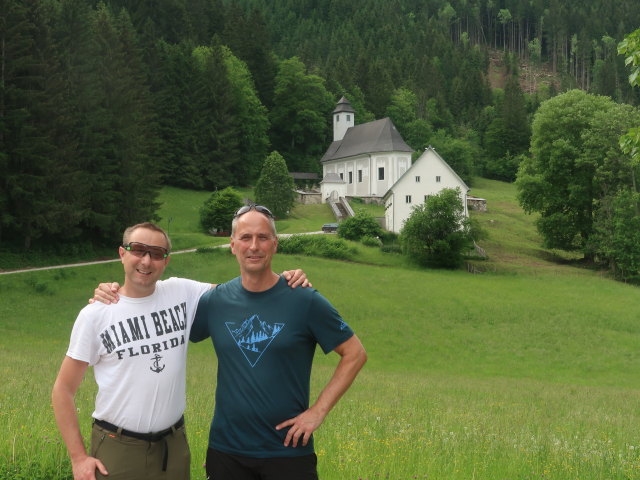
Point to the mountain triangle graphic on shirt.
(253, 336)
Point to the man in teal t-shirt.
(265, 335)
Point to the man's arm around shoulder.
(64, 390)
(352, 358)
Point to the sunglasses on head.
(257, 208)
(141, 249)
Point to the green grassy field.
(528, 371)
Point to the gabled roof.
(408, 172)
(332, 178)
(304, 175)
(371, 137)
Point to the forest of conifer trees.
(101, 103)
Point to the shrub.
(393, 248)
(317, 246)
(388, 237)
(369, 241)
(217, 211)
(437, 233)
(360, 225)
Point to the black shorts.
(224, 466)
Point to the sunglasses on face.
(257, 208)
(141, 249)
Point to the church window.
(350, 177)
(348, 118)
(359, 176)
(380, 173)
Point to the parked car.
(330, 227)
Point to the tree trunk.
(635, 189)
(2, 86)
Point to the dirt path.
(82, 264)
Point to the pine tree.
(175, 109)
(30, 97)
(118, 133)
(514, 113)
(216, 129)
(275, 186)
(249, 39)
(138, 140)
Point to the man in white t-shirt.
(138, 349)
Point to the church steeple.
(344, 117)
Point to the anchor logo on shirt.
(156, 364)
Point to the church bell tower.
(344, 117)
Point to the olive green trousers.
(128, 458)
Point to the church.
(372, 161)
(363, 160)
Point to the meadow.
(526, 371)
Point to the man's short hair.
(272, 224)
(149, 226)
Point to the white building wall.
(350, 177)
(389, 211)
(361, 178)
(394, 165)
(380, 187)
(341, 123)
(330, 189)
(434, 176)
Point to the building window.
(337, 118)
(426, 197)
(359, 176)
(417, 178)
(341, 176)
(348, 118)
(438, 179)
(407, 199)
(380, 173)
(350, 177)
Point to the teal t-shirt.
(265, 343)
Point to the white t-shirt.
(138, 350)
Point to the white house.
(427, 176)
(368, 158)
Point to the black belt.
(149, 437)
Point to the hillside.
(532, 77)
(212, 87)
(526, 373)
(514, 244)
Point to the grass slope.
(528, 372)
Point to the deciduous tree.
(437, 233)
(217, 212)
(558, 180)
(300, 117)
(253, 121)
(362, 224)
(630, 47)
